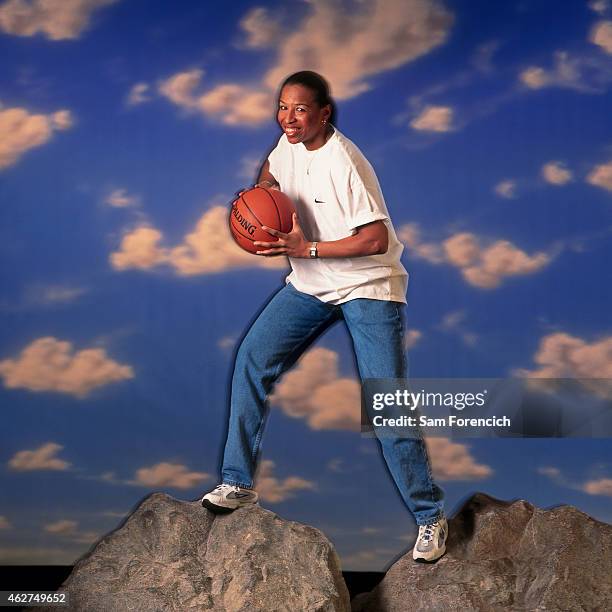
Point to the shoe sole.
(422, 560)
(223, 509)
(216, 509)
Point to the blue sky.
(125, 128)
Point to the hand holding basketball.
(292, 244)
(255, 208)
(266, 184)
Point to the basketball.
(256, 207)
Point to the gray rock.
(505, 556)
(176, 555)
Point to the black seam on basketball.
(280, 225)
(249, 208)
(239, 232)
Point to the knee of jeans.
(249, 359)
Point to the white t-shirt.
(335, 190)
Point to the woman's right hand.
(265, 184)
(268, 185)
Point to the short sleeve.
(274, 159)
(366, 203)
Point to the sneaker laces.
(428, 532)
(223, 487)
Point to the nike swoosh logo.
(319, 201)
(238, 495)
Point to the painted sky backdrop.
(125, 128)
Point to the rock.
(176, 555)
(505, 556)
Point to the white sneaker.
(226, 498)
(431, 541)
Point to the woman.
(345, 260)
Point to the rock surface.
(505, 556)
(176, 555)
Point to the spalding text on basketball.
(249, 227)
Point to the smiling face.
(301, 117)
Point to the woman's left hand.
(293, 244)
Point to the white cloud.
(51, 295)
(481, 266)
(482, 59)
(55, 19)
(249, 165)
(434, 119)
(5, 523)
(237, 105)
(585, 74)
(602, 486)
(561, 355)
(230, 103)
(64, 527)
(208, 248)
(314, 391)
(61, 120)
(601, 176)
(551, 472)
(345, 46)
(180, 87)
(506, 189)
(453, 322)
(556, 173)
(61, 294)
(262, 29)
(535, 77)
(120, 198)
(138, 94)
(41, 458)
(601, 35)
(411, 338)
(410, 234)
(453, 461)
(348, 46)
(169, 475)
(554, 475)
(599, 6)
(469, 338)
(139, 249)
(462, 250)
(227, 343)
(495, 262)
(336, 465)
(273, 490)
(49, 364)
(69, 529)
(21, 131)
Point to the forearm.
(357, 245)
(370, 239)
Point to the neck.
(323, 136)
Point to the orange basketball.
(256, 207)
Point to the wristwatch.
(313, 250)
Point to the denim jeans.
(288, 324)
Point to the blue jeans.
(289, 323)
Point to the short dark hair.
(317, 84)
